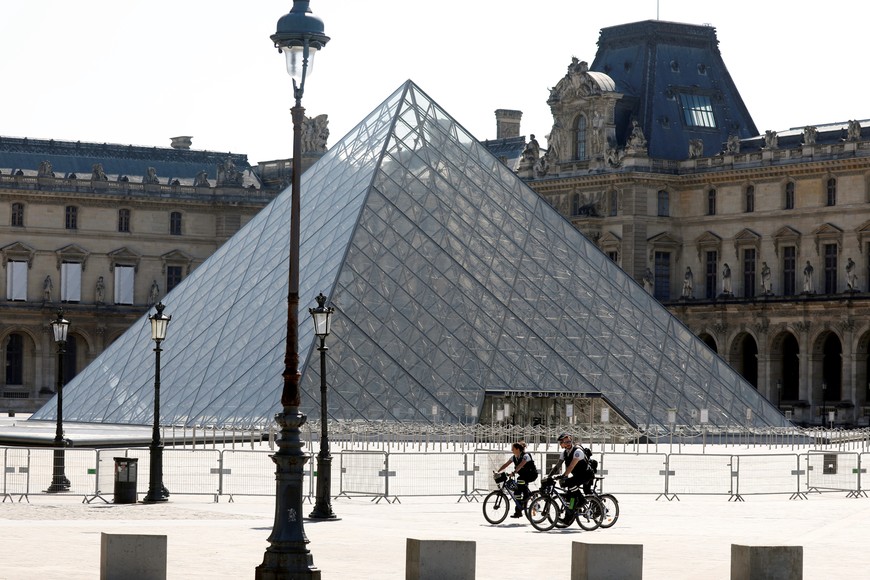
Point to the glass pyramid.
(450, 277)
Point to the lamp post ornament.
(299, 36)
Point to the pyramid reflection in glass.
(449, 277)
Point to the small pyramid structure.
(449, 277)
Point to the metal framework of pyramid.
(450, 277)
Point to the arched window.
(18, 215)
(789, 195)
(175, 223)
(581, 137)
(750, 198)
(711, 202)
(664, 203)
(15, 360)
(832, 192)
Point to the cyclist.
(578, 471)
(526, 471)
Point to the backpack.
(530, 470)
(593, 463)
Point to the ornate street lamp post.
(59, 482)
(299, 36)
(156, 491)
(322, 507)
(779, 394)
(824, 402)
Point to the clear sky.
(142, 71)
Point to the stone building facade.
(759, 243)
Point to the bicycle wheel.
(590, 515)
(543, 513)
(611, 509)
(533, 504)
(496, 506)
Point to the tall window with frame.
(663, 203)
(831, 190)
(124, 220)
(711, 274)
(175, 223)
(614, 203)
(16, 280)
(789, 270)
(662, 287)
(17, 215)
(124, 284)
(749, 272)
(15, 359)
(750, 198)
(173, 277)
(71, 282)
(830, 268)
(789, 195)
(711, 202)
(71, 218)
(697, 111)
(581, 137)
(575, 204)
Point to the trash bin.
(125, 479)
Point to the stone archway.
(709, 341)
(744, 357)
(826, 382)
(785, 368)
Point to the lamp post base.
(322, 506)
(288, 557)
(59, 481)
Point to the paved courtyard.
(59, 537)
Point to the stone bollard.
(606, 561)
(439, 559)
(132, 557)
(767, 562)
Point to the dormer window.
(697, 111)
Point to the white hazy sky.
(141, 71)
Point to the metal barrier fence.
(464, 475)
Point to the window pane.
(789, 262)
(697, 111)
(16, 281)
(710, 287)
(72, 217)
(662, 289)
(15, 360)
(175, 223)
(123, 220)
(830, 268)
(71, 282)
(581, 137)
(123, 285)
(749, 272)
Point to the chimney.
(181, 142)
(507, 123)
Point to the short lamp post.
(322, 507)
(156, 491)
(779, 393)
(824, 402)
(59, 482)
(299, 36)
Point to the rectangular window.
(72, 217)
(749, 272)
(664, 209)
(789, 264)
(71, 282)
(697, 111)
(175, 223)
(789, 195)
(830, 268)
(662, 288)
(711, 275)
(123, 284)
(581, 137)
(123, 220)
(711, 202)
(16, 281)
(18, 215)
(173, 277)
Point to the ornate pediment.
(708, 242)
(72, 253)
(124, 257)
(177, 258)
(19, 252)
(580, 82)
(863, 232)
(747, 238)
(787, 236)
(828, 233)
(664, 241)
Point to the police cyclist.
(578, 471)
(526, 471)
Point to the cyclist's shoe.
(517, 514)
(568, 518)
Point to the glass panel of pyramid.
(450, 278)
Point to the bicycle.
(608, 501)
(548, 508)
(497, 504)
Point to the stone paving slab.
(59, 537)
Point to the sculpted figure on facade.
(554, 140)
(648, 281)
(766, 288)
(733, 144)
(153, 293)
(688, 283)
(315, 133)
(228, 174)
(150, 176)
(597, 132)
(97, 173)
(853, 132)
(100, 292)
(532, 150)
(542, 166)
(726, 279)
(810, 134)
(851, 276)
(809, 286)
(613, 157)
(636, 141)
(47, 285)
(201, 179)
(45, 169)
(696, 148)
(575, 83)
(771, 140)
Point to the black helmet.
(563, 436)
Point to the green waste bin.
(126, 475)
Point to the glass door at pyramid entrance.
(548, 408)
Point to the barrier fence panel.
(79, 467)
(247, 473)
(767, 474)
(16, 472)
(186, 472)
(426, 474)
(363, 473)
(485, 462)
(633, 473)
(832, 471)
(700, 474)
